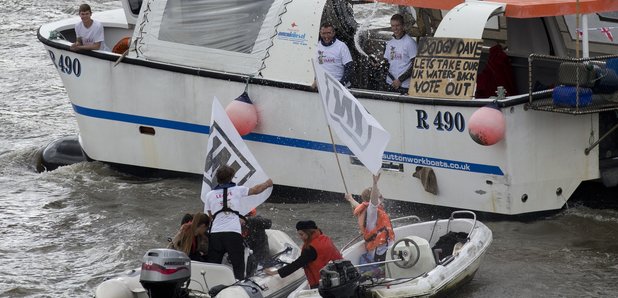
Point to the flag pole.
(337, 158)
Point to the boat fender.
(243, 114)
(61, 152)
(122, 45)
(487, 125)
(113, 288)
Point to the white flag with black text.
(354, 126)
(226, 147)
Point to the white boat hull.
(156, 115)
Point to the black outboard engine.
(164, 271)
(339, 279)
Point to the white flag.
(226, 147)
(356, 128)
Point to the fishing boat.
(169, 273)
(417, 265)
(149, 106)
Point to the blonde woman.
(192, 238)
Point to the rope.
(139, 39)
(272, 38)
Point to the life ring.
(122, 45)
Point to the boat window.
(609, 16)
(135, 6)
(231, 25)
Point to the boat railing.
(409, 217)
(460, 212)
(578, 85)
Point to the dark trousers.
(232, 244)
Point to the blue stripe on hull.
(290, 142)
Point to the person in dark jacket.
(318, 250)
(254, 232)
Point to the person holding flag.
(374, 223)
(226, 206)
(228, 158)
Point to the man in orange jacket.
(318, 249)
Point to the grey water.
(65, 231)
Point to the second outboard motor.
(339, 279)
(164, 271)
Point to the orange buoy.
(243, 114)
(122, 45)
(487, 125)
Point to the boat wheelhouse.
(150, 106)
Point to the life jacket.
(326, 252)
(225, 207)
(381, 233)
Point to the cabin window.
(135, 6)
(611, 17)
(230, 25)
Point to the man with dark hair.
(317, 251)
(226, 205)
(334, 56)
(399, 52)
(89, 33)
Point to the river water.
(63, 232)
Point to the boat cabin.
(263, 38)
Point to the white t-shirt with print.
(91, 35)
(333, 58)
(399, 52)
(236, 200)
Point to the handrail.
(413, 217)
(462, 212)
(407, 217)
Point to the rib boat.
(167, 273)
(427, 259)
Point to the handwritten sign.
(446, 68)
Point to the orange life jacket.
(381, 233)
(326, 252)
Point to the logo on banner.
(223, 152)
(344, 111)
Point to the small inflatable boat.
(427, 259)
(168, 273)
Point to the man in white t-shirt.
(334, 56)
(89, 32)
(225, 231)
(399, 52)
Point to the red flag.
(580, 33)
(607, 31)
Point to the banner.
(354, 126)
(226, 147)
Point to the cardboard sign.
(446, 68)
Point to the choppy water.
(62, 232)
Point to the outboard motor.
(164, 271)
(339, 279)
